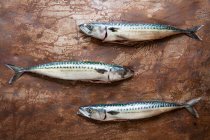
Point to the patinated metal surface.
(174, 69)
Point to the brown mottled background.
(39, 31)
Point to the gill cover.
(119, 73)
(95, 30)
(92, 113)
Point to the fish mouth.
(128, 72)
(83, 112)
(84, 29)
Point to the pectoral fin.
(102, 71)
(113, 112)
(113, 29)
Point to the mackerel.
(132, 111)
(76, 70)
(112, 32)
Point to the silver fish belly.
(75, 70)
(132, 111)
(110, 32)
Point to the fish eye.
(89, 110)
(90, 27)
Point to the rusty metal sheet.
(39, 31)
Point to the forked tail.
(18, 72)
(190, 108)
(192, 32)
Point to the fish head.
(94, 30)
(92, 112)
(119, 73)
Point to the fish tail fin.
(190, 108)
(18, 72)
(192, 32)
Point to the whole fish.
(75, 70)
(131, 111)
(113, 32)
